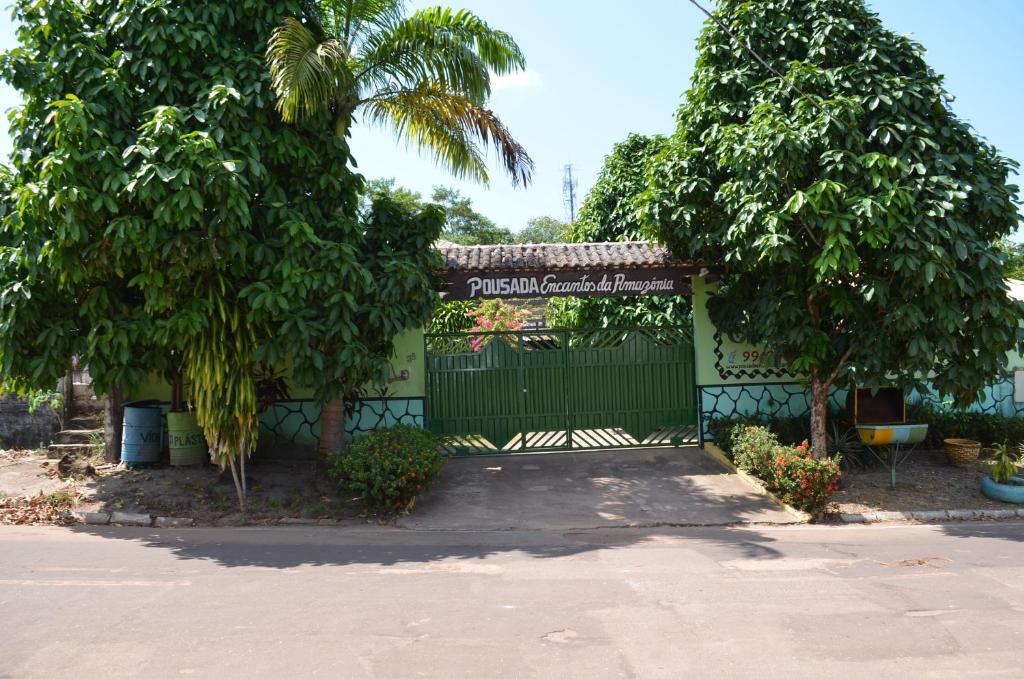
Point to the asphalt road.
(900, 601)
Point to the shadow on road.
(292, 546)
(546, 506)
(1014, 532)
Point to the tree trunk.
(68, 389)
(113, 424)
(819, 417)
(332, 428)
(177, 393)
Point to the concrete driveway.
(639, 487)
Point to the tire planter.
(1004, 492)
(185, 440)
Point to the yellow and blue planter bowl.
(891, 434)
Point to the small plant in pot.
(1002, 482)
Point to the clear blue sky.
(599, 70)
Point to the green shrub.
(753, 449)
(946, 423)
(789, 430)
(389, 468)
(802, 481)
(790, 471)
(721, 430)
(451, 317)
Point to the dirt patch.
(14, 454)
(926, 481)
(277, 490)
(204, 494)
(38, 509)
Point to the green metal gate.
(508, 392)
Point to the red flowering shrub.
(802, 481)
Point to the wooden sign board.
(576, 283)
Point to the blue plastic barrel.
(143, 434)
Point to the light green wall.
(738, 357)
(1013, 360)
(740, 363)
(153, 389)
(408, 356)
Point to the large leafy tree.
(544, 230)
(856, 214)
(464, 225)
(427, 75)
(160, 214)
(407, 198)
(1014, 265)
(608, 215)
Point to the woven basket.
(962, 452)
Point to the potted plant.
(1002, 482)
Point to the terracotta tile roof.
(555, 256)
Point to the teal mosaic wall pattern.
(997, 399)
(792, 400)
(298, 422)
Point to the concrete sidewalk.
(640, 487)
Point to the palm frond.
(457, 49)
(497, 49)
(453, 128)
(348, 20)
(306, 74)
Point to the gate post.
(700, 417)
(565, 390)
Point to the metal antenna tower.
(569, 193)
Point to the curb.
(129, 519)
(149, 521)
(720, 457)
(937, 515)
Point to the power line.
(745, 45)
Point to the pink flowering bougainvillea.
(494, 315)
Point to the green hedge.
(790, 431)
(988, 428)
(389, 468)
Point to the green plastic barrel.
(143, 434)
(185, 440)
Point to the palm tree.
(427, 75)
